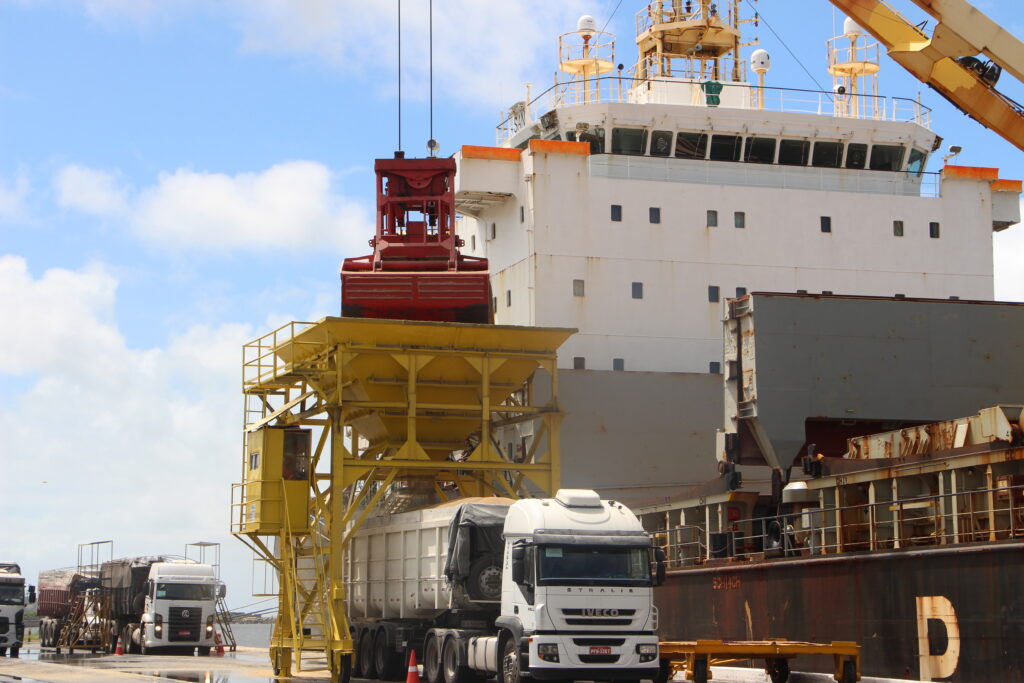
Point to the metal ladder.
(224, 622)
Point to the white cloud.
(289, 205)
(1008, 258)
(12, 197)
(483, 51)
(90, 190)
(110, 441)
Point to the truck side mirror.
(659, 559)
(222, 591)
(518, 564)
(31, 594)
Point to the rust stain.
(559, 147)
(971, 172)
(490, 153)
(1005, 185)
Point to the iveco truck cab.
(12, 607)
(576, 593)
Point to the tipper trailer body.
(552, 589)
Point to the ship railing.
(687, 90)
(974, 516)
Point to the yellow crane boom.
(962, 32)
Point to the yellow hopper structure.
(345, 415)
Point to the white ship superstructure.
(632, 205)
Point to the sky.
(178, 177)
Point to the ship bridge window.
(760, 151)
(917, 161)
(794, 152)
(691, 145)
(661, 143)
(595, 136)
(886, 157)
(827, 154)
(726, 147)
(629, 140)
(856, 155)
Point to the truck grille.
(610, 642)
(183, 623)
(598, 617)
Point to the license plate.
(184, 633)
(600, 650)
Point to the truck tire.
(778, 670)
(3, 651)
(388, 663)
(432, 660)
(510, 662)
(204, 650)
(15, 652)
(366, 655)
(849, 672)
(484, 582)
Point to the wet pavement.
(247, 665)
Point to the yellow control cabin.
(277, 480)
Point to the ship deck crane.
(947, 60)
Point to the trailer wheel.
(700, 671)
(389, 663)
(344, 675)
(14, 652)
(510, 661)
(849, 672)
(366, 655)
(778, 670)
(3, 651)
(432, 660)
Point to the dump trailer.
(549, 589)
(12, 607)
(60, 592)
(161, 603)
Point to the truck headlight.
(548, 652)
(209, 625)
(158, 625)
(648, 652)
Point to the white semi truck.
(12, 607)
(161, 603)
(551, 589)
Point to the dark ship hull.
(950, 613)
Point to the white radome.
(586, 24)
(760, 61)
(850, 28)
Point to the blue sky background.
(179, 176)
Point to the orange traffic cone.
(220, 645)
(118, 647)
(414, 671)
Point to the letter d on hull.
(943, 664)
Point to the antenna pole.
(399, 76)
(431, 24)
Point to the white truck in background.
(550, 589)
(161, 603)
(12, 608)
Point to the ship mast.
(690, 39)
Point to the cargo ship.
(643, 205)
(900, 533)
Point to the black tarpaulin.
(474, 530)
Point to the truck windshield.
(184, 591)
(576, 565)
(12, 594)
